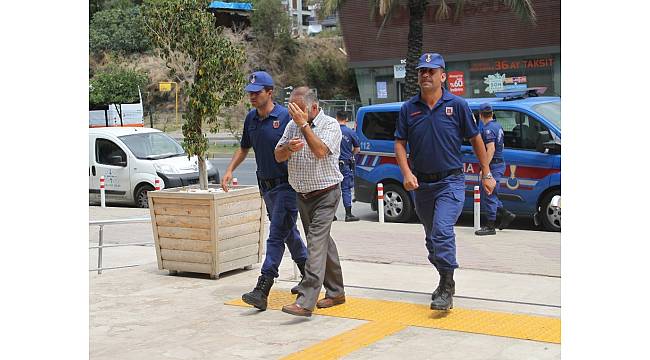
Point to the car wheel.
(550, 215)
(398, 206)
(140, 196)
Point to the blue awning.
(231, 6)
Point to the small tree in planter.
(184, 35)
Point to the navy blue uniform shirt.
(262, 135)
(493, 132)
(349, 140)
(435, 135)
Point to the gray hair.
(308, 95)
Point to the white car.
(131, 158)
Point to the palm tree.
(386, 8)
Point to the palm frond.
(442, 13)
(330, 6)
(385, 9)
(523, 9)
(458, 11)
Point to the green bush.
(118, 29)
(116, 85)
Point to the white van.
(130, 159)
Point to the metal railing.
(100, 245)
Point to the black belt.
(269, 184)
(496, 161)
(309, 195)
(437, 176)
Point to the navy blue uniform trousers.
(282, 209)
(438, 205)
(348, 182)
(491, 202)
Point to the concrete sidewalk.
(144, 313)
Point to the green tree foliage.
(328, 72)
(184, 34)
(272, 32)
(118, 29)
(116, 85)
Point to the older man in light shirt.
(311, 143)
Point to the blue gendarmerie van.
(532, 138)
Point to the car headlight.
(166, 169)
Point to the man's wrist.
(487, 176)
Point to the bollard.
(235, 182)
(380, 202)
(477, 208)
(102, 191)
(157, 183)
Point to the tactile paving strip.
(389, 317)
(349, 341)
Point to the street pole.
(165, 86)
(176, 107)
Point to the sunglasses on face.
(429, 71)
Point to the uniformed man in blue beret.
(263, 128)
(492, 135)
(349, 148)
(433, 123)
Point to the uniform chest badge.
(449, 110)
(276, 124)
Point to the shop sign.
(456, 81)
(399, 71)
(494, 83)
(501, 65)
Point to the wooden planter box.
(207, 233)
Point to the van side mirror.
(545, 144)
(117, 161)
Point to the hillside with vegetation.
(118, 42)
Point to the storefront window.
(486, 77)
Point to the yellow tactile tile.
(349, 341)
(388, 317)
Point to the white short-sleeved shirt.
(308, 173)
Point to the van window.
(520, 131)
(153, 145)
(380, 125)
(106, 150)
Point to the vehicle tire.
(140, 196)
(398, 206)
(550, 216)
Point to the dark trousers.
(323, 267)
(491, 202)
(283, 212)
(438, 206)
(348, 182)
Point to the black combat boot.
(301, 267)
(437, 290)
(488, 229)
(260, 293)
(443, 299)
(348, 215)
(505, 218)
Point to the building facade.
(488, 49)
